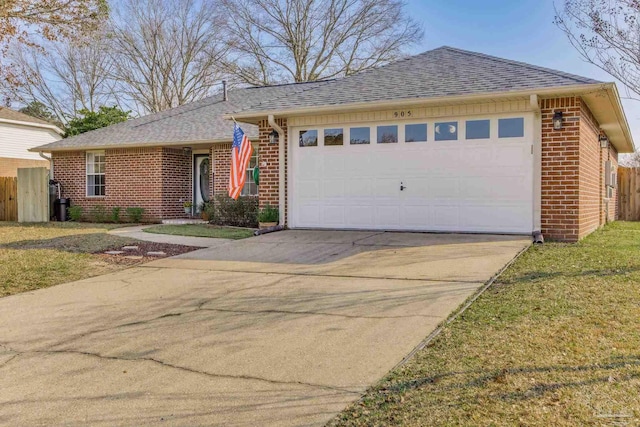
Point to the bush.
(98, 213)
(238, 213)
(115, 214)
(135, 214)
(75, 212)
(268, 214)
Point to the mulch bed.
(127, 257)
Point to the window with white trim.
(250, 187)
(95, 173)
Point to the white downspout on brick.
(41, 154)
(537, 163)
(281, 172)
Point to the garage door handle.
(402, 187)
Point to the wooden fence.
(629, 194)
(8, 198)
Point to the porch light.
(604, 141)
(274, 137)
(557, 120)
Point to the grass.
(202, 230)
(556, 341)
(34, 256)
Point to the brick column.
(269, 162)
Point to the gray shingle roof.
(8, 114)
(197, 121)
(437, 73)
(441, 72)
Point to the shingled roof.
(16, 116)
(199, 121)
(439, 73)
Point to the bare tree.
(606, 33)
(70, 76)
(165, 53)
(30, 22)
(275, 41)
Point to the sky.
(521, 30)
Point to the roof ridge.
(514, 62)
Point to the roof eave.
(617, 130)
(54, 128)
(47, 149)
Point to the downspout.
(281, 174)
(41, 154)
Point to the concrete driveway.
(280, 330)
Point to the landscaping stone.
(158, 253)
(134, 257)
(130, 248)
(114, 252)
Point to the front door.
(201, 180)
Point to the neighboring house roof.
(8, 115)
(199, 121)
(439, 73)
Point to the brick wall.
(155, 179)
(573, 183)
(269, 188)
(591, 174)
(177, 178)
(221, 168)
(560, 170)
(9, 166)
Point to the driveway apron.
(285, 329)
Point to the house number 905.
(401, 114)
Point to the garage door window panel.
(511, 128)
(446, 131)
(415, 133)
(360, 136)
(333, 137)
(387, 134)
(478, 129)
(309, 138)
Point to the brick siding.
(573, 189)
(156, 179)
(269, 161)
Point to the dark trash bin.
(61, 206)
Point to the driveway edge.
(457, 314)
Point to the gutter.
(281, 177)
(54, 128)
(48, 149)
(41, 154)
(407, 102)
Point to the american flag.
(241, 151)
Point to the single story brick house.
(446, 141)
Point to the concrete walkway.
(138, 233)
(285, 329)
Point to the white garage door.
(472, 175)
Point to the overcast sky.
(521, 30)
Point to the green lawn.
(202, 230)
(34, 256)
(554, 342)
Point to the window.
(308, 138)
(511, 128)
(415, 133)
(387, 134)
(95, 173)
(360, 136)
(446, 131)
(333, 136)
(250, 188)
(478, 129)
